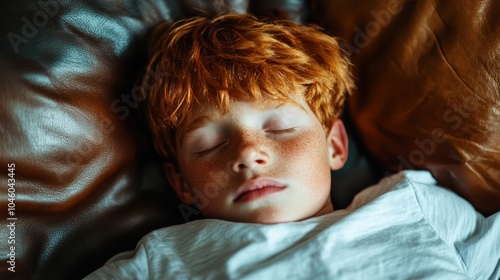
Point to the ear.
(178, 184)
(337, 145)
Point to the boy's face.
(261, 162)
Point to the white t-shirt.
(405, 227)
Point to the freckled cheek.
(305, 159)
(206, 172)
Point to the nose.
(250, 156)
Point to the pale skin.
(224, 157)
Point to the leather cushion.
(428, 87)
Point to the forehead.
(214, 111)
(223, 101)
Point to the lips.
(257, 188)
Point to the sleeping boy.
(248, 111)
(246, 114)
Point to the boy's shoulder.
(390, 186)
(416, 193)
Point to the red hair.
(205, 60)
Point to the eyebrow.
(197, 123)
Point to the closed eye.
(282, 131)
(209, 151)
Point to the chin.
(272, 216)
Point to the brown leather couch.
(87, 183)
